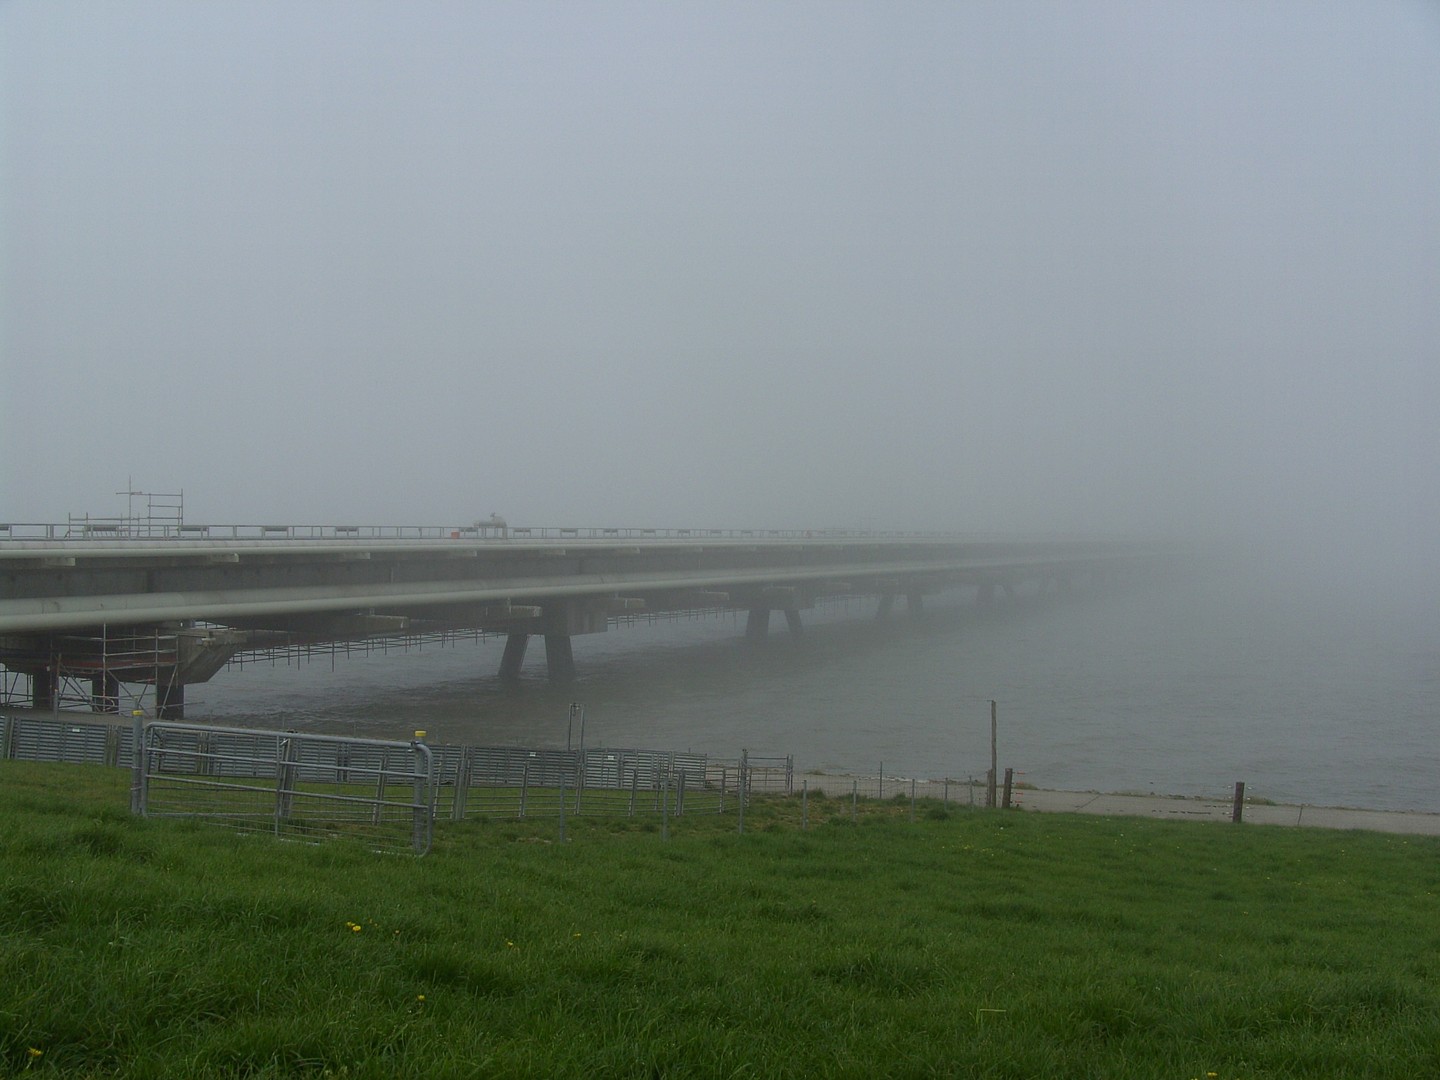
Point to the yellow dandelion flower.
(419, 997)
(509, 944)
(33, 1052)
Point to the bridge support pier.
(514, 655)
(105, 693)
(44, 688)
(559, 658)
(757, 623)
(169, 701)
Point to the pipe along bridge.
(171, 610)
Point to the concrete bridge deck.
(91, 601)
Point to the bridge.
(98, 604)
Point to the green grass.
(983, 944)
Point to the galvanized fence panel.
(480, 781)
(32, 738)
(299, 786)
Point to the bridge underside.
(88, 627)
(111, 669)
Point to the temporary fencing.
(298, 786)
(479, 781)
(46, 738)
(386, 793)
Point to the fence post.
(880, 794)
(665, 800)
(991, 775)
(562, 803)
(384, 773)
(680, 793)
(741, 785)
(1009, 782)
(524, 787)
(462, 783)
(421, 812)
(854, 797)
(1238, 808)
(634, 785)
(912, 800)
(804, 805)
(285, 781)
(137, 746)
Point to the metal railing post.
(742, 788)
(137, 782)
(423, 807)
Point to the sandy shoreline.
(1174, 807)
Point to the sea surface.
(1307, 695)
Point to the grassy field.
(963, 944)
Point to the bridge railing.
(124, 529)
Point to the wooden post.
(1009, 782)
(1238, 808)
(990, 777)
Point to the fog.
(1082, 268)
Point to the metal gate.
(299, 786)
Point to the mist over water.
(1184, 688)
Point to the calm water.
(1180, 691)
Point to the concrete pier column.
(757, 623)
(169, 701)
(559, 658)
(514, 655)
(44, 689)
(105, 693)
(792, 620)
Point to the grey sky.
(995, 266)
